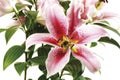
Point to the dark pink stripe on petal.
(73, 15)
(56, 21)
(40, 38)
(56, 61)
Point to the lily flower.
(41, 7)
(11, 21)
(95, 10)
(67, 34)
(5, 7)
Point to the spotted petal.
(56, 21)
(73, 14)
(86, 57)
(40, 38)
(88, 33)
(57, 59)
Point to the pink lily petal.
(88, 33)
(41, 7)
(40, 38)
(85, 10)
(10, 21)
(89, 8)
(73, 15)
(56, 61)
(106, 15)
(5, 7)
(86, 57)
(92, 2)
(41, 4)
(56, 21)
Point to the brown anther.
(105, 1)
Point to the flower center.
(64, 42)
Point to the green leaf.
(43, 69)
(20, 67)
(87, 78)
(108, 40)
(12, 55)
(44, 50)
(93, 44)
(74, 67)
(43, 77)
(2, 30)
(32, 14)
(19, 6)
(9, 33)
(55, 77)
(65, 4)
(82, 78)
(43, 53)
(104, 24)
(38, 60)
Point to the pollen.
(100, 4)
(64, 42)
(74, 49)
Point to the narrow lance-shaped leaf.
(32, 14)
(111, 41)
(38, 60)
(2, 30)
(82, 78)
(19, 6)
(12, 55)
(42, 54)
(20, 67)
(93, 44)
(104, 24)
(44, 50)
(9, 33)
(42, 77)
(74, 67)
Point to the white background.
(109, 55)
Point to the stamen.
(74, 49)
(100, 4)
(105, 1)
(64, 44)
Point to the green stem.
(25, 73)
(35, 2)
(61, 74)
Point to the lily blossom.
(11, 21)
(41, 7)
(5, 7)
(92, 10)
(67, 34)
(8, 6)
(105, 15)
(101, 13)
